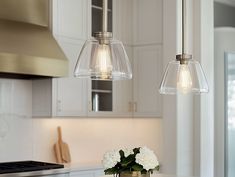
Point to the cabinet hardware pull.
(135, 106)
(89, 106)
(130, 107)
(59, 105)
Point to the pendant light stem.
(183, 58)
(105, 16)
(183, 26)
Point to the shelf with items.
(101, 95)
(99, 3)
(99, 8)
(101, 91)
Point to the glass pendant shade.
(103, 61)
(184, 78)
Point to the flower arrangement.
(140, 159)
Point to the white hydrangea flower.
(111, 158)
(147, 158)
(128, 152)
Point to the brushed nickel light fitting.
(183, 75)
(103, 58)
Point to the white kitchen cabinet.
(147, 78)
(71, 27)
(147, 19)
(123, 93)
(71, 19)
(123, 21)
(62, 97)
(123, 31)
(70, 93)
(135, 22)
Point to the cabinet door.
(147, 78)
(70, 93)
(123, 93)
(123, 20)
(70, 18)
(147, 22)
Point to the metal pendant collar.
(103, 37)
(183, 58)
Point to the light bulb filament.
(184, 81)
(103, 64)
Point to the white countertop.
(81, 167)
(73, 167)
(93, 166)
(37, 173)
(67, 169)
(156, 175)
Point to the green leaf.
(110, 171)
(157, 168)
(137, 167)
(128, 160)
(136, 150)
(121, 152)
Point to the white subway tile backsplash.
(15, 118)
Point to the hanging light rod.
(102, 57)
(183, 58)
(183, 75)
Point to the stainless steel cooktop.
(27, 166)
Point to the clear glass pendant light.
(184, 74)
(103, 58)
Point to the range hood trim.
(32, 65)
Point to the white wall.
(223, 15)
(88, 138)
(204, 105)
(169, 102)
(224, 42)
(16, 113)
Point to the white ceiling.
(227, 2)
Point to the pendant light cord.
(105, 16)
(183, 26)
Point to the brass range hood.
(27, 46)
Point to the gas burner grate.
(27, 166)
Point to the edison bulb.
(103, 64)
(184, 82)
